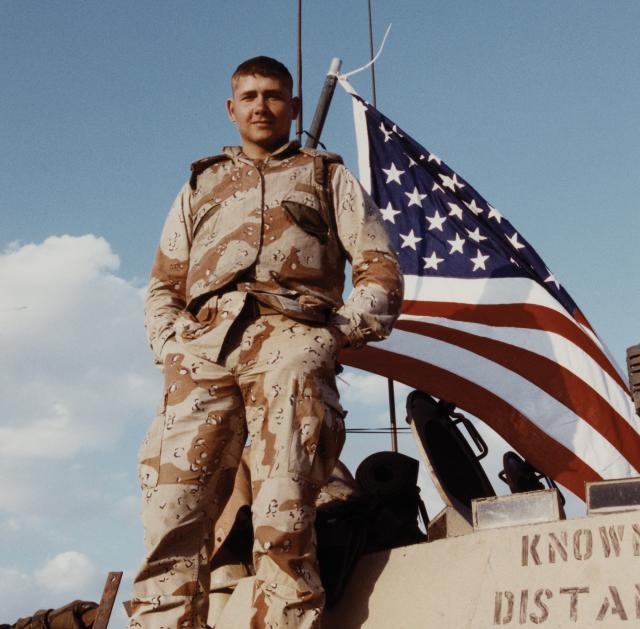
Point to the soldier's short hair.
(264, 66)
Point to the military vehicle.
(492, 561)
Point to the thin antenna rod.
(373, 70)
(299, 118)
(392, 416)
(392, 395)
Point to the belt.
(254, 308)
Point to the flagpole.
(324, 101)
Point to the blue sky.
(105, 104)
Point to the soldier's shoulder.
(326, 156)
(200, 165)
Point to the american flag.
(485, 324)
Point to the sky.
(105, 104)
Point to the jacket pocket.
(202, 216)
(305, 210)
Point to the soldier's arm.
(375, 301)
(166, 293)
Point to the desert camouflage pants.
(275, 380)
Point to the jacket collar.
(286, 150)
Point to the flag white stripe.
(549, 415)
(556, 348)
(487, 290)
(491, 291)
(362, 137)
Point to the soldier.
(244, 312)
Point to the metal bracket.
(108, 598)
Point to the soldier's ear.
(231, 110)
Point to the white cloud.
(75, 366)
(52, 436)
(359, 389)
(78, 389)
(67, 573)
(16, 591)
(65, 577)
(362, 387)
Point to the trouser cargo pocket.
(317, 439)
(151, 449)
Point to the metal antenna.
(392, 416)
(390, 383)
(373, 70)
(299, 117)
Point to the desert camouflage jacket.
(273, 229)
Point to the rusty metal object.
(108, 598)
(633, 368)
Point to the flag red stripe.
(555, 380)
(542, 451)
(530, 316)
(580, 318)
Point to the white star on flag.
(457, 244)
(409, 240)
(478, 261)
(473, 206)
(388, 213)
(476, 235)
(432, 261)
(393, 174)
(450, 182)
(514, 242)
(455, 210)
(434, 158)
(552, 279)
(387, 133)
(415, 198)
(436, 221)
(493, 213)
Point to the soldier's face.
(262, 108)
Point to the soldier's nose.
(260, 103)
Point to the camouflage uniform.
(230, 562)
(244, 311)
